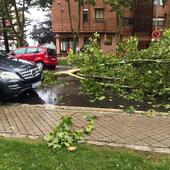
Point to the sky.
(35, 15)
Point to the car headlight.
(9, 76)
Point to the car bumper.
(50, 62)
(14, 88)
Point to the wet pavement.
(67, 94)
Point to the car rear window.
(51, 52)
(20, 51)
(31, 50)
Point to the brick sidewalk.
(113, 127)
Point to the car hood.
(16, 65)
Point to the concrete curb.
(99, 143)
(99, 111)
(134, 147)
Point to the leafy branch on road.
(63, 134)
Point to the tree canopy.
(42, 32)
(14, 12)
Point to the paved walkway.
(113, 127)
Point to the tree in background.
(42, 32)
(3, 27)
(75, 33)
(15, 14)
(42, 3)
(119, 6)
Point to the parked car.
(17, 76)
(44, 57)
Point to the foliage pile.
(63, 135)
(49, 78)
(132, 73)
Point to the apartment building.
(144, 17)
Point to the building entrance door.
(66, 45)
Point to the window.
(160, 21)
(20, 51)
(31, 50)
(64, 45)
(99, 14)
(143, 1)
(85, 15)
(159, 2)
(86, 40)
(51, 52)
(108, 40)
(127, 21)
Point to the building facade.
(144, 17)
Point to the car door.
(39, 56)
(30, 53)
(18, 53)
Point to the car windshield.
(3, 52)
(4, 59)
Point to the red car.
(44, 57)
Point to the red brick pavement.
(113, 127)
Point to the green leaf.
(63, 136)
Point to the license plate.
(36, 84)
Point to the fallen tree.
(132, 73)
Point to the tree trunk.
(119, 27)
(17, 14)
(23, 23)
(75, 40)
(20, 27)
(79, 16)
(70, 16)
(5, 4)
(5, 36)
(71, 26)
